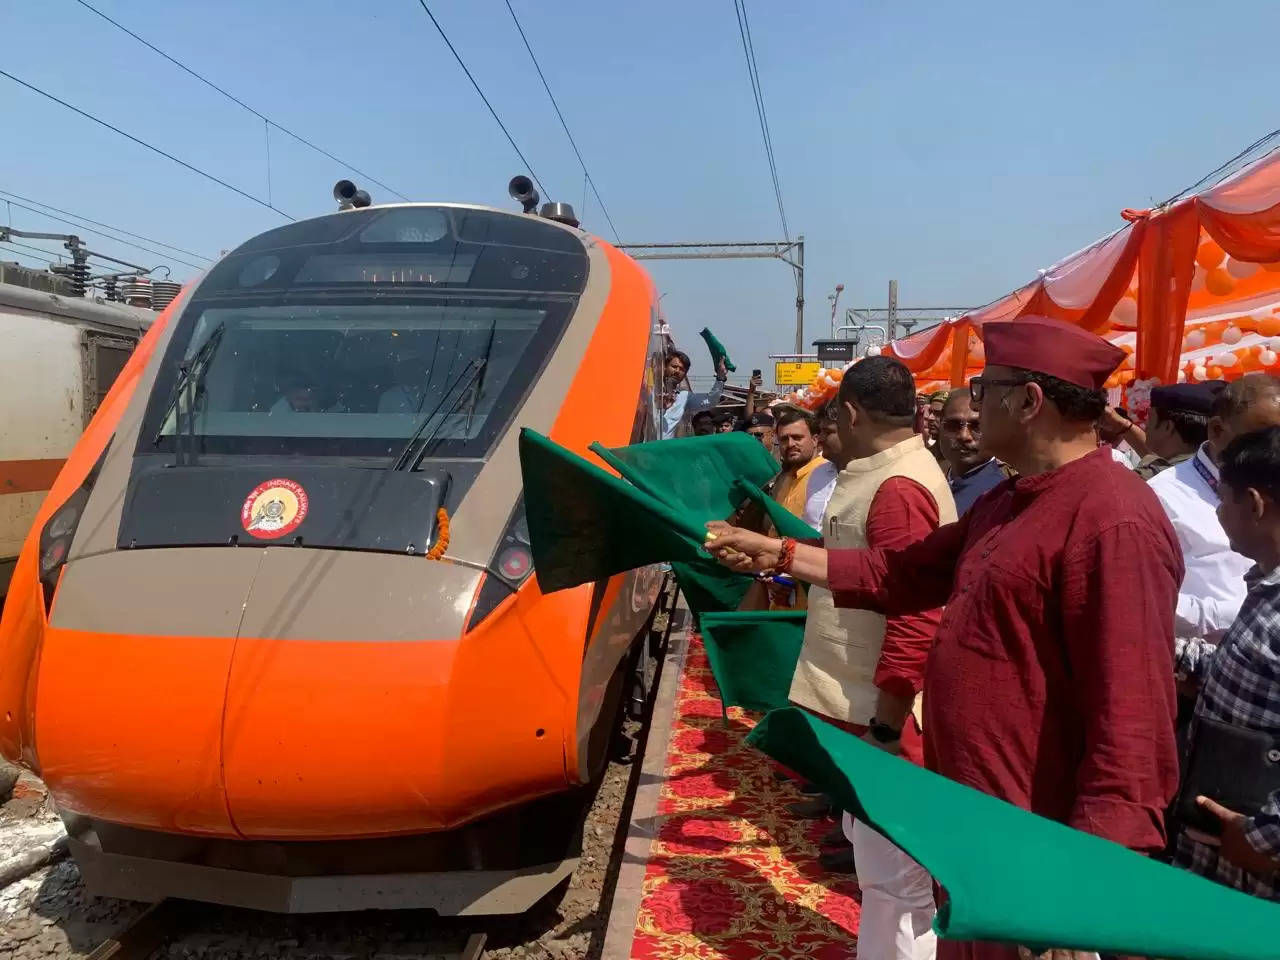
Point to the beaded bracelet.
(788, 554)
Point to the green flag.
(586, 524)
(784, 521)
(696, 474)
(718, 352)
(708, 587)
(1013, 877)
(753, 655)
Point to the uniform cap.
(1188, 397)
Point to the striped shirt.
(1242, 686)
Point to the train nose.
(357, 706)
(350, 704)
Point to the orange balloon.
(1273, 267)
(1209, 255)
(1269, 326)
(1218, 282)
(1113, 381)
(1213, 373)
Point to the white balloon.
(1125, 313)
(1241, 268)
(1268, 358)
(1198, 372)
(1194, 340)
(1232, 334)
(1182, 376)
(1226, 360)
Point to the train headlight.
(511, 565)
(55, 541)
(60, 529)
(514, 564)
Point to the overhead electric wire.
(27, 246)
(232, 97)
(753, 73)
(445, 37)
(749, 50)
(99, 223)
(1225, 167)
(572, 142)
(127, 243)
(143, 143)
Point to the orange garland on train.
(442, 541)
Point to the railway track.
(169, 920)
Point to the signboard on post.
(795, 374)
(835, 353)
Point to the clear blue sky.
(957, 147)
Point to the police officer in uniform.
(1178, 424)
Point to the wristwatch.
(883, 733)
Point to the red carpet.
(731, 873)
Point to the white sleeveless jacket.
(842, 646)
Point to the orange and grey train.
(273, 640)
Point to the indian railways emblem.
(274, 509)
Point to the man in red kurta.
(1048, 685)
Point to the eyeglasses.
(955, 425)
(978, 385)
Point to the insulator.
(163, 293)
(79, 274)
(136, 291)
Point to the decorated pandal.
(1190, 290)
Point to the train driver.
(300, 394)
(409, 373)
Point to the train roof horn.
(349, 195)
(522, 190)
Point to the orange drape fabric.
(1241, 214)
(1165, 265)
(959, 354)
(1245, 236)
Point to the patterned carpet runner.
(732, 874)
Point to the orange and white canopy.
(1191, 289)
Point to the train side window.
(103, 358)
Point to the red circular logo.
(274, 509)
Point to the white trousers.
(897, 898)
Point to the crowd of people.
(1027, 592)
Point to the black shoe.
(834, 838)
(838, 861)
(815, 809)
(810, 789)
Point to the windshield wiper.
(190, 381)
(469, 374)
(479, 387)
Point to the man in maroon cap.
(1049, 684)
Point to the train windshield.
(343, 336)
